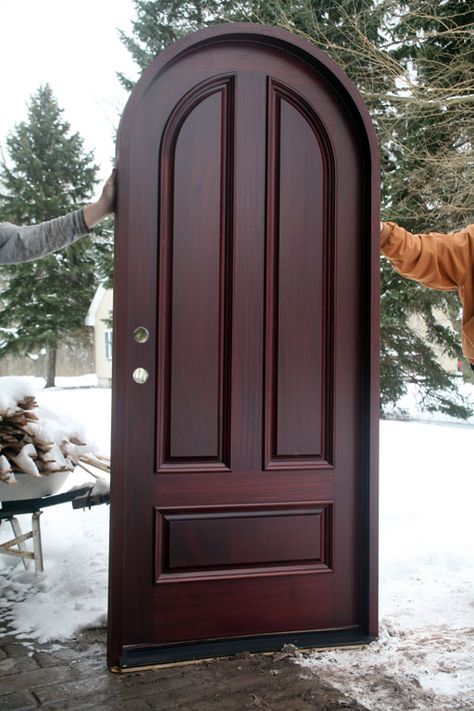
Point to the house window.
(108, 344)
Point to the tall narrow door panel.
(244, 467)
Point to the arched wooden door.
(244, 468)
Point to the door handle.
(140, 375)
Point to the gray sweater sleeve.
(24, 244)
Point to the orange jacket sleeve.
(436, 260)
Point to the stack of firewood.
(27, 446)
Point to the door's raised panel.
(198, 544)
(194, 278)
(300, 218)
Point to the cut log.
(93, 461)
(6, 473)
(27, 445)
(24, 460)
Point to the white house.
(99, 318)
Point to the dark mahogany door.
(243, 489)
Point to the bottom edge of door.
(150, 655)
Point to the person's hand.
(105, 205)
(381, 226)
(107, 198)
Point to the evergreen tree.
(428, 184)
(371, 40)
(330, 25)
(434, 139)
(161, 22)
(363, 36)
(47, 174)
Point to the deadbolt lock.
(141, 334)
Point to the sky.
(75, 47)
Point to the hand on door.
(105, 205)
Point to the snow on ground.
(410, 405)
(88, 405)
(424, 658)
(72, 592)
(13, 390)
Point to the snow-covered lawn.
(72, 593)
(424, 658)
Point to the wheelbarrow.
(80, 497)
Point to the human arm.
(436, 260)
(30, 242)
(97, 211)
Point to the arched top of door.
(262, 35)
